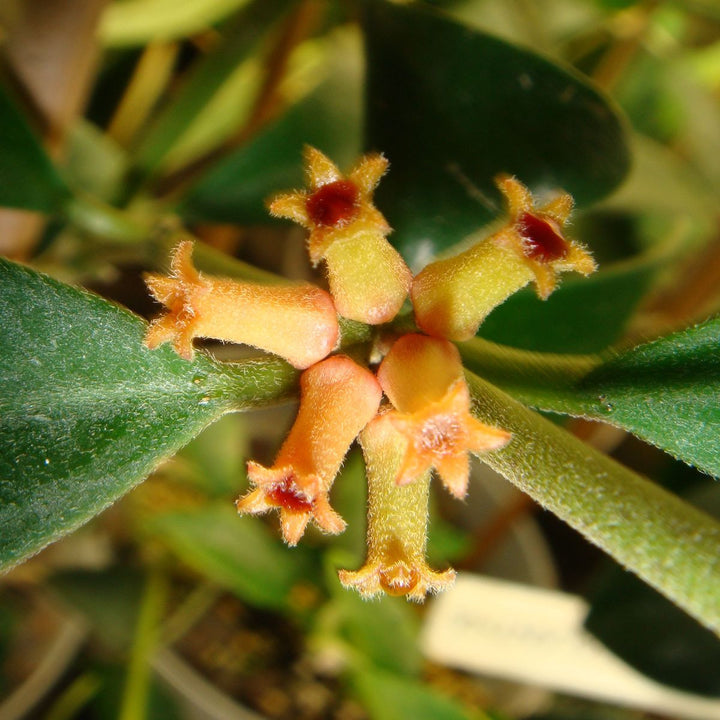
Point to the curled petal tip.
(413, 580)
(368, 172)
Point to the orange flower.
(423, 378)
(297, 322)
(452, 297)
(368, 279)
(397, 523)
(337, 399)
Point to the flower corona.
(423, 377)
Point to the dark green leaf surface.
(237, 553)
(28, 179)
(451, 107)
(666, 392)
(87, 411)
(584, 315)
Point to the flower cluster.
(409, 403)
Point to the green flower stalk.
(397, 523)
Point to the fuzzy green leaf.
(451, 107)
(666, 391)
(28, 179)
(87, 411)
(667, 542)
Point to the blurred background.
(163, 114)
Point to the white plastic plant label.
(536, 636)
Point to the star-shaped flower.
(423, 378)
(333, 200)
(397, 523)
(441, 435)
(299, 498)
(338, 398)
(535, 233)
(368, 278)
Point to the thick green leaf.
(452, 107)
(667, 542)
(666, 391)
(391, 697)
(237, 553)
(28, 179)
(87, 411)
(237, 188)
(547, 381)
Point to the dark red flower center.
(286, 494)
(334, 204)
(542, 240)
